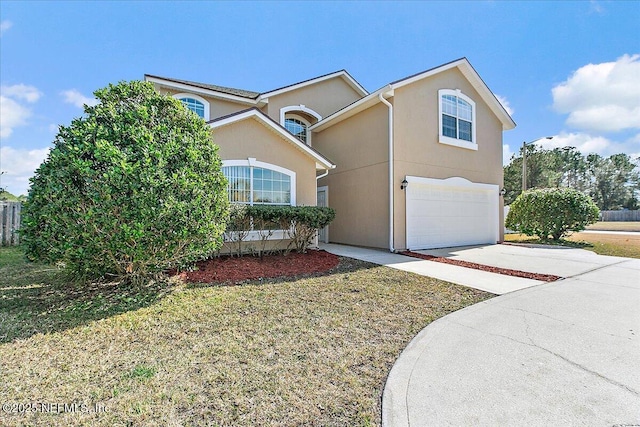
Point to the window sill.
(254, 235)
(458, 143)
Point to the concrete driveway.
(563, 353)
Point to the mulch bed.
(231, 270)
(505, 271)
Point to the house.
(416, 164)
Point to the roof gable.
(388, 91)
(341, 74)
(255, 114)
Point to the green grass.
(314, 351)
(603, 244)
(615, 226)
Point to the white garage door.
(443, 213)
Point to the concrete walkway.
(564, 353)
(490, 282)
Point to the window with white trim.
(195, 103)
(297, 127)
(255, 185)
(457, 119)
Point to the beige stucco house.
(416, 164)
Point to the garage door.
(443, 213)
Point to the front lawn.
(603, 244)
(312, 351)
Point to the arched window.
(457, 119)
(195, 103)
(258, 183)
(297, 119)
(297, 127)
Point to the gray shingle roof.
(228, 90)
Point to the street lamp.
(524, 160)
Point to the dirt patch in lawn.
(234, 270)
(505, 271)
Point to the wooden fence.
(620, 215)
(9, 223)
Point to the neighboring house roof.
(255, 114)
(388, 91)
(251, 97)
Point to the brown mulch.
(226, 269)
(505, 271)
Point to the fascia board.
(201, 91)
(321, 162)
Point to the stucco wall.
(418, 151)
(324, 98)
(358, 186)
(249, 138)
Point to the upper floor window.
(297, 119)
(259, 185)
(457, 119)
(195, 103)
(297, 127)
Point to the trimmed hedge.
(300, 223)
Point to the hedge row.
(299, 223)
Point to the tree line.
(612, 182)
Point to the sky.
(570, 70)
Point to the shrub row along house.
(416, 164)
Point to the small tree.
(551, 212)
(132, 188)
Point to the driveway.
(560, 353)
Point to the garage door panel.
(440, 214)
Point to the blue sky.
(568, 69)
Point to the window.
(457, 119)
(259, 185)
(194, 105)
(297, 127)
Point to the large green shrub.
(551, 212)
(130, 189)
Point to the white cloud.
(506, 154)
(602, 97)
(12, 112)
(584, 142)
(73, 96)
(21, 91)
(505, 104)
(4, 26)
(19, 165)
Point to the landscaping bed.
(235, 270)
(490, 269)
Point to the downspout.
(322, 175)
(390, 106)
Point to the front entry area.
(450, 212)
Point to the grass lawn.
(615, 226)
(603, 244)
(313, 351)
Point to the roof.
(254, 113)
(388, 91)
(250, 96)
